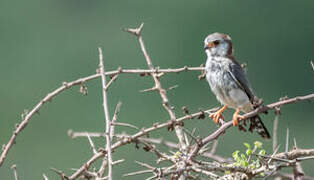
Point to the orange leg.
(218, 114)
(236, 117)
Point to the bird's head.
(218, 44)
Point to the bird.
(229, 82)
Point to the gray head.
(218, 44)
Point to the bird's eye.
(212, 44)
(216, 42)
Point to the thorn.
(60, 173)
(287, 141)
(203, 73)
(202, 115)
(277, 110)
(173, 87)
(70, 133)
(147, 148)
(202, 76)
(65, 84)
(185, 110)
(283, 98)
(144, 74)
(83, 89)
(136, 31)
(186, 139)
(149, 90)
(16, 125)
(295, 144)
(45, 177)
(24, 114)
(171, 126)
(13, 166)
(159, 75)
(119, 69)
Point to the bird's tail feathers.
(257, 125)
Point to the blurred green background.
(46, 42)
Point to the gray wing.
(239, 76)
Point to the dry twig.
(80, 81)
(106, 111)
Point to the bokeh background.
(46, 42)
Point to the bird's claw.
(236, 117)
(216, 116)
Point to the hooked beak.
(206, 47)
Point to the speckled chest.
(218, 75)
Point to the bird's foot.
(218, 114)
(236, 117)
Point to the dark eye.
(216, 42)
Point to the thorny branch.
(184, 164)
(204, 141)
(106, 111)
(163, 94)
(80, 81)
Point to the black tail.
(258, 126)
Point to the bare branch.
(29, 115)
(158, 86)
(91, 144)
(296, 153)
(259, 110)
(207, 139)
(80, 81)
(134, 137)
(106, 111)
(114, 78)
(115, 118)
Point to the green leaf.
(243, 157)
(252, 166)
(235, 155)
(244, 163)
(238, 163)
(247, 145)
(262, 152)
(248, 152)
(258, 144)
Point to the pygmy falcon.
(229, 82)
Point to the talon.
(218, 114)
(236, 117)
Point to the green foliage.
(247, 160)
